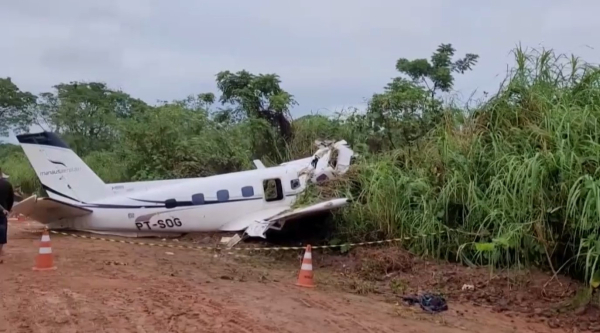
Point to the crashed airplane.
(250, 201)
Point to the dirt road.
(113, 287)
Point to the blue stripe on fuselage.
(157, 204)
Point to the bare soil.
(102, 286)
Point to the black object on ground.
(428, 302)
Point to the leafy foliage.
(86, 114)
(408, 108)
(437, 73)
(13, 106)
(258, 97)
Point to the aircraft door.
(273, 190)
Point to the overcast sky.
(330, 54)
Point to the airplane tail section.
(63, 174)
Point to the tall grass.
(14, 163)
(517, 184)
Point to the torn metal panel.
(258, 228)
(321, 167)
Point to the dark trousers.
(3, 229)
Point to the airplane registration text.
(161, 224)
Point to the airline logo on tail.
(57, 162)
(59, 171)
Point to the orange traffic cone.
(305, 278)
(44, 260)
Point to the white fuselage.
(221, 202)
(79, 199)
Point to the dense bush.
(515, 183)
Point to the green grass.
(517, 184)
(17, 167)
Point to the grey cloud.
(328, 53)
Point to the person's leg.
(3, 233)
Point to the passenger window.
(272, 189)
(247, 191)
(223, 195)
(198, 199)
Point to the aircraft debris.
(257, 228)
(233, 241)
(430, 303)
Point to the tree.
(87, 114)
(409, 108)
(183, 142)
(14, 105)
(206, 99)
(399, 114)
(257, 96)
(437, 74)
(200, 102)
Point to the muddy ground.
(103, 286)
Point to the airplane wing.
(47, 210)
(257, 223)
(309, 210)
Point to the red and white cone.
(305, 278)
(44, 260)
